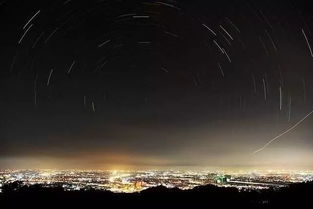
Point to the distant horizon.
(175, 169)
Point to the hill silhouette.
(36, 196)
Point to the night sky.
(114, 84)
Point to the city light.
(135, 181)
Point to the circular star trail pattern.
(158, 83)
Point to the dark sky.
(155, 84)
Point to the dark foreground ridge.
(209, 196)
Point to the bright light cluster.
(134, 181)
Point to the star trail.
(136, 84)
